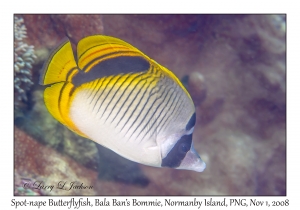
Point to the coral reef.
(37, 162)
(49, 131)
(23, 59)
(195, 84)
(48, 30)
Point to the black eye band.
(178, 152)
(191, 122)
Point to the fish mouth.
(192, 161)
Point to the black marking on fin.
(71, 92)
(191, 122)
(113, 66)
(178, 152)
(60, 95)
(71, 71)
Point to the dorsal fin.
(100, 47)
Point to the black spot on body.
(191, 122)
(178, 152)
(113, 66)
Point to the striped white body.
(135, 123)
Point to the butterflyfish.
(121, 99)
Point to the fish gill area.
(234, 67)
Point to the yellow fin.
(59, 65)
(99, 46)
(57, 101)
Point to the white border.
(154, 6)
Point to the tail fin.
(61, 63)
(58, 71)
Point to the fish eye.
(178, 152)
(183, 148)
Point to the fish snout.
(192, 161)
